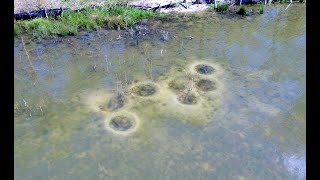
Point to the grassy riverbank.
(70, 23)
(113, 15)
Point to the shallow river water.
(252, 125)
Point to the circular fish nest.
(204, 69)
(206, 85)
(121, 123)
(144, 90)
(188, 98)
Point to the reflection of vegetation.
(292, 127)
(32, 110)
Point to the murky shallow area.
(251, 125)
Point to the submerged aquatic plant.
(40, 27)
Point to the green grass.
(242, 10)
(211, 8)
(70, 23)
(16, 29)
(40, 27)
(222, 7)
(261, 9)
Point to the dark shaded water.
(251, 127)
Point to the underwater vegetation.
(190, 94)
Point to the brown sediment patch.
(206, 85)
(188, 98)
(204, 69)
(144, 90)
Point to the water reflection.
(296, 165)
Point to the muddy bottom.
(121, 123)
(204, 69)
(177, 85)
(188, 99)
(206, 85)
(144, 90)
(116, 102)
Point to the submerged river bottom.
(228, 103)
